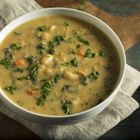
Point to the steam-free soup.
(57, 65)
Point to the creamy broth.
(57, 65)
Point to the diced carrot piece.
(20, 62)
(80, 52)
(30, 92)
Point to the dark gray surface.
(119, 7)
(128, 129)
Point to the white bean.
(23, 43)
(45, 60)
(76, 101)
(42, 68)
(48, 72)
(53, 28)
(46, 36)
(70, 76)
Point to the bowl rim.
(119, 81)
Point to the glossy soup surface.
(57, 65)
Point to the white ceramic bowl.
(53, 120)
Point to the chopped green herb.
(10, 89)
(57, 77)
(74, 62)
(102, 53)
(65, 24)
(5, 62)
(94, 75)
(78, 46)
(50, 44)
(89, 54)
(33, 72)
(18, 70)
(16, 33)
(41, 100)
(69, 39)
(24, 78)
(67, 88)
(84, 80)
(57, 39)
(14, 46)
(40, 48)
(42, 28)
(31, 59)
(66, 107)
(45, 90)
(84, 41)
(21, 78)
(51, 51)
(7, 53)
(65, 64)
(97, 94)
(72, 52)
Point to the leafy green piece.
(102, 53)
(69, 39)
(84, 41)
(31, 59)
(33, 72)
(67, 88)
(5, 62)
(10, 89)
(16, 33)
(65, 64)
(57, 77)
(89, 54)
(57, 39)
(14, 46)
(23, 78)
(42, 28)
(74, 62)
(84, 80)
(78, 46)
(94, 75)
(41, 100)
(40, 48)
(65, 24)
(66, 107)
(72, 52)
(51, 51)
(7, 53)
(50, 44)
(45, 90)
(18, 70)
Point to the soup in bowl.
(59, 65)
